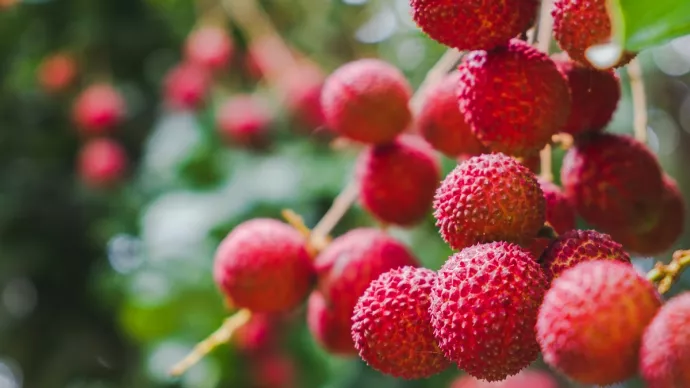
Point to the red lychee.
(528, 378)
(392, 328)
(263, 265)
(473, 25)
(441, 123)
(614, 182)
(484, 307)
(665, 352)
(302, 86)
(595, 94)
(489, 197)
(209, 47)
(102, 163)
(667, 229)
(57, 72)
(591, 322)
(580, 24)
(330, 323)
(186, 86)
(257, 335)
(560, 213)
(576, 246)
(273, 370)
(98, 109)
(245, 120)
(397, 181)
(525, 86)
(367, 101)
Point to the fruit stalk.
(449, 59)
(544, 28)
(639, 100)
(666, 275)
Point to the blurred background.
(105, 264)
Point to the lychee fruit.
(329, 323)
(595, 95)
(668, 227)
(560, 213)
(302, 86)
(57, 72)
(367, 101)
(528, 378)
(102, 163)
(391, 326)
(576, 246)
(263, 265)
(441, 123)
(186, 86)
(397, 181)
(594, 314)
(244, 120)
(484, 307)
(489, 197)
(665, 352)
(257, 335)
(98, 109)
(580, 24)
(474, 25)
(209, 47)
(273, 370)
(614, 182)
(522, 83)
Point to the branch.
(444, 65)
(543, 34)
(666, 275)
(639, 100)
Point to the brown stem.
(639, 100)
(666, 275)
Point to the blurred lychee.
(209, 47)
(560, 213)
(102, 163)
(186, 86)
(98, 109)
(244, 120)
(57, 72)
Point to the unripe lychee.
(57, 72)
(98, 109)
(329, 323)
(186, 86)
(209, 47)
(580, 24)
(614, 182)
(473, 25)
(665, 351)
(367, 101)
(528, 378)
(102, 162)
(397, 181)
(441, 123)
(391, 326)
(591, 322)
(560, 213)
(522, 83)
(489, 197)
(484, 307)
(263, 265)
(244, 120)
(576, 246)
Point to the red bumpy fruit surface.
(397, 181)
(329, 324)
(577, 246)
(391, 326)
(525, 86)
(484, 308)
(367, 101)
(489, 197)
(102, 162)
(591, 322)
(245, 120)
(209, 47)
(665, 352)
(595, 95)
(526, 379)
(263, 265)
(186, 86)
(614, 181)
(580, 24)
(560, 213)
(473, 25)
(441, 123)
(57, 72)
(98, 109)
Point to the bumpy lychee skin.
(560, 213)
(209, 47)
(484, 308)
(580, 24)
(102, 163)
(263, 265)
(576, 246)
(594, 314)
(98, 109)
(392, 328)
(665, 351)
(397, 181)
(595, 95)
(186, 86)
(244, 120)
(367, 101)
(57, 72)
(668, 227)
(614, 182)
(489, 197)
(441, 123)
(330, 323)
(476, 25)
(528, 378)
(522, 83)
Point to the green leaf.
(639, 24)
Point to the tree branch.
(639, 100)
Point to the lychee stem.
(447, 62)
(564, 140)
(639, 100)
(544, 27)
(666, 275)
(217, 338)
(340, 206)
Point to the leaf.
(639, 24)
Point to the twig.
(544, 28)
(666, 275)
(341, 204)
(445, 64)
(639, 100)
